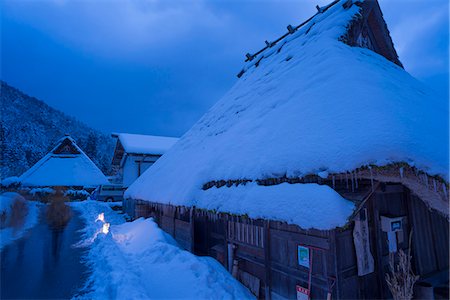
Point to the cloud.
(117, 28)
(172, 60)
(420, 33)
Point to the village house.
(324, 160)
(66, 166)
(135, 153)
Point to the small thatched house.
(315, 168)
(66, 165)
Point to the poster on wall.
(361, 240)
(302, 293)
(303, 256)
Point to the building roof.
(64, 165)
(145, 144)
(307, 205)
(321, 100)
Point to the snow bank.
(42, 191)
(306, 205)
(77, 194)
(10, 181)
(146, 144)
(9, 234)
(139, 261)
(312, 104)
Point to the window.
(246, 233)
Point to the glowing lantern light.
(101, 217)
(105, 228)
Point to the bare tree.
(401, 279)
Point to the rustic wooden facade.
(265, 252)
(392, 203)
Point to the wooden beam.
(268, 279)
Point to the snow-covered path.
(138, 260)
(42, 263)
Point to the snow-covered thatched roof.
(145, 144)
(64, 165)
(329, 97)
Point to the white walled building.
(135, 153)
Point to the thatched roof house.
(330, 98)
(323, 139)
(66, 165)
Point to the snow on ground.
(114, 203)
(138, 260)
(9, 181)
(307, 205)
(9, 234)
(311, 105)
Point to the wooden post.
(191, 219)
(378, 236)
(336, 267)
(268, 279)
(311, 253)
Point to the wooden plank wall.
(267, 250)
(430, 239)
(286, 273)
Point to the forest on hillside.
(29, 128)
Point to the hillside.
(29, 128)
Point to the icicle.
(371, 177)
(444, 188)
(334, 183)
(426, 179)
(435, 185)
(356, 180)
(401, 172)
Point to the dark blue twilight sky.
(156, 66)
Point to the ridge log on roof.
(368, 30)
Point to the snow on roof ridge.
(117, 134)
(144, 143)
(291, 30)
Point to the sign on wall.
(361, 240)
(302, 293)
(303, 256)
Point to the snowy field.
(9, 233)
(138, 260)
